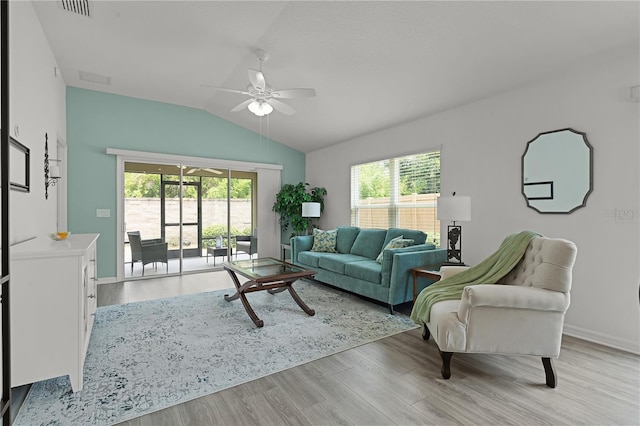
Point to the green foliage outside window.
(374, 180)
(418, 174)
(142, 185)
(210, 233)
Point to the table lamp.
(454, 209)
(310, 210)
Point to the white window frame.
(394, 206)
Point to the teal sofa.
(354, 267)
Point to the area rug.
(147, 356)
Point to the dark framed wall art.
(19, 156)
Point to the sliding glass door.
(181, 216)
(215, 216)
(242, 215)
(196, 211)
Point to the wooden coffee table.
(268, 274)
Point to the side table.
(284, 248)
(218, 251)
(428, 272)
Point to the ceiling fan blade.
(214, 171)
(257, 79)
(222, 89)
(281, 106)
(242, 105)
(294, 93)
(191, 171)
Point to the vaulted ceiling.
(374, 64)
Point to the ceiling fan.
(264, 98)
(196, 169)
(204, 169)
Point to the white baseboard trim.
(107, 280)
(602, 339)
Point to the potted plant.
(289, 205)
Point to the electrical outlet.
(103, 213)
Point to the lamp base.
(454, 264)
(454, 251)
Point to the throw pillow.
(397, 242)
(369, 242)
(324, 241)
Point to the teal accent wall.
(97, 121)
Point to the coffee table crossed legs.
(271, 287)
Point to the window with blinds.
(398, 192)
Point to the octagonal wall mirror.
(557, 171)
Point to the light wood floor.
(160, 287)
(396, 381)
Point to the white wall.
(482, 145)
(37, 107)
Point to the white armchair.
(521, 315)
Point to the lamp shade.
(54, 172)
(454, 208)
(310, 209)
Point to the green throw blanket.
(489, 271)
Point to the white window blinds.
(398, 192)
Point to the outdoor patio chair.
(147, 251)
(246, 244)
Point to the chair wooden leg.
(391, 309)
(425, 332)
(550, 372)
(446, 364)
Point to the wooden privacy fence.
(416, 211)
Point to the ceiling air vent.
(81, 7)
(93, 77)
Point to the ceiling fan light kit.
(262, 101)
(260, 108)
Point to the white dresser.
(53, 303)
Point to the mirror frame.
(586, 195)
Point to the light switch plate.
(103, 213)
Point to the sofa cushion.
(418, 237)
(398, 242)
(335, 262)
(324, 241)
(368, 243)
(367, 270)
(346, 236)
(309, 258)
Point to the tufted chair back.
(547, 264)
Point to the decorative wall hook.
(51, 173)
